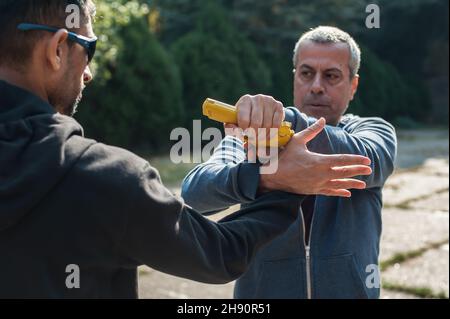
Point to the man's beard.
(73, 107)
(66, 99)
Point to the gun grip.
(225, 113)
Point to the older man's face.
(322, 84)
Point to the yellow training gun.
(225, 113)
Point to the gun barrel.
(219, 111)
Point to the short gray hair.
(326, 35)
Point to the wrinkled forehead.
(322, 56)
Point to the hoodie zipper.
(308, 254)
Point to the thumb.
(230, 126)
(312, 131)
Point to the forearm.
(168, 236)
(224, 180)
(228, 248)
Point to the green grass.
(407, 203)
(421, 292)
(404, 256)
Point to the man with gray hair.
(327, 35)
(332, 250)
(78, 217)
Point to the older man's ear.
(354, 87)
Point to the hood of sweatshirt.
(38, 146)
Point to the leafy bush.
(384, 92)
(137, 100)
(216, 61)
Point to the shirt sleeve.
(224, 180)
(167, 235)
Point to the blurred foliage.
(384, 92)
(217, 61)
(158, 59)
(136, 98)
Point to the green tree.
(217, 61)
(414, 37)
(384, 92)
(137, 98)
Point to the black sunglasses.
(89, 44)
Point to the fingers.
(350, 171)
(340, 187)
(345, 183)
(259, 111)
(244, 109)
(257, 114)
(336, 192)
(278, 116)
(345, 160)
(234, 130)
(269, 112)
(311, 132)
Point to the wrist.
(266, 183)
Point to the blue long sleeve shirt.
(340, 257)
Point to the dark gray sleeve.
(167, 235)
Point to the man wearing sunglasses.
(88, 43)
(68, 55)
(78, 217)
